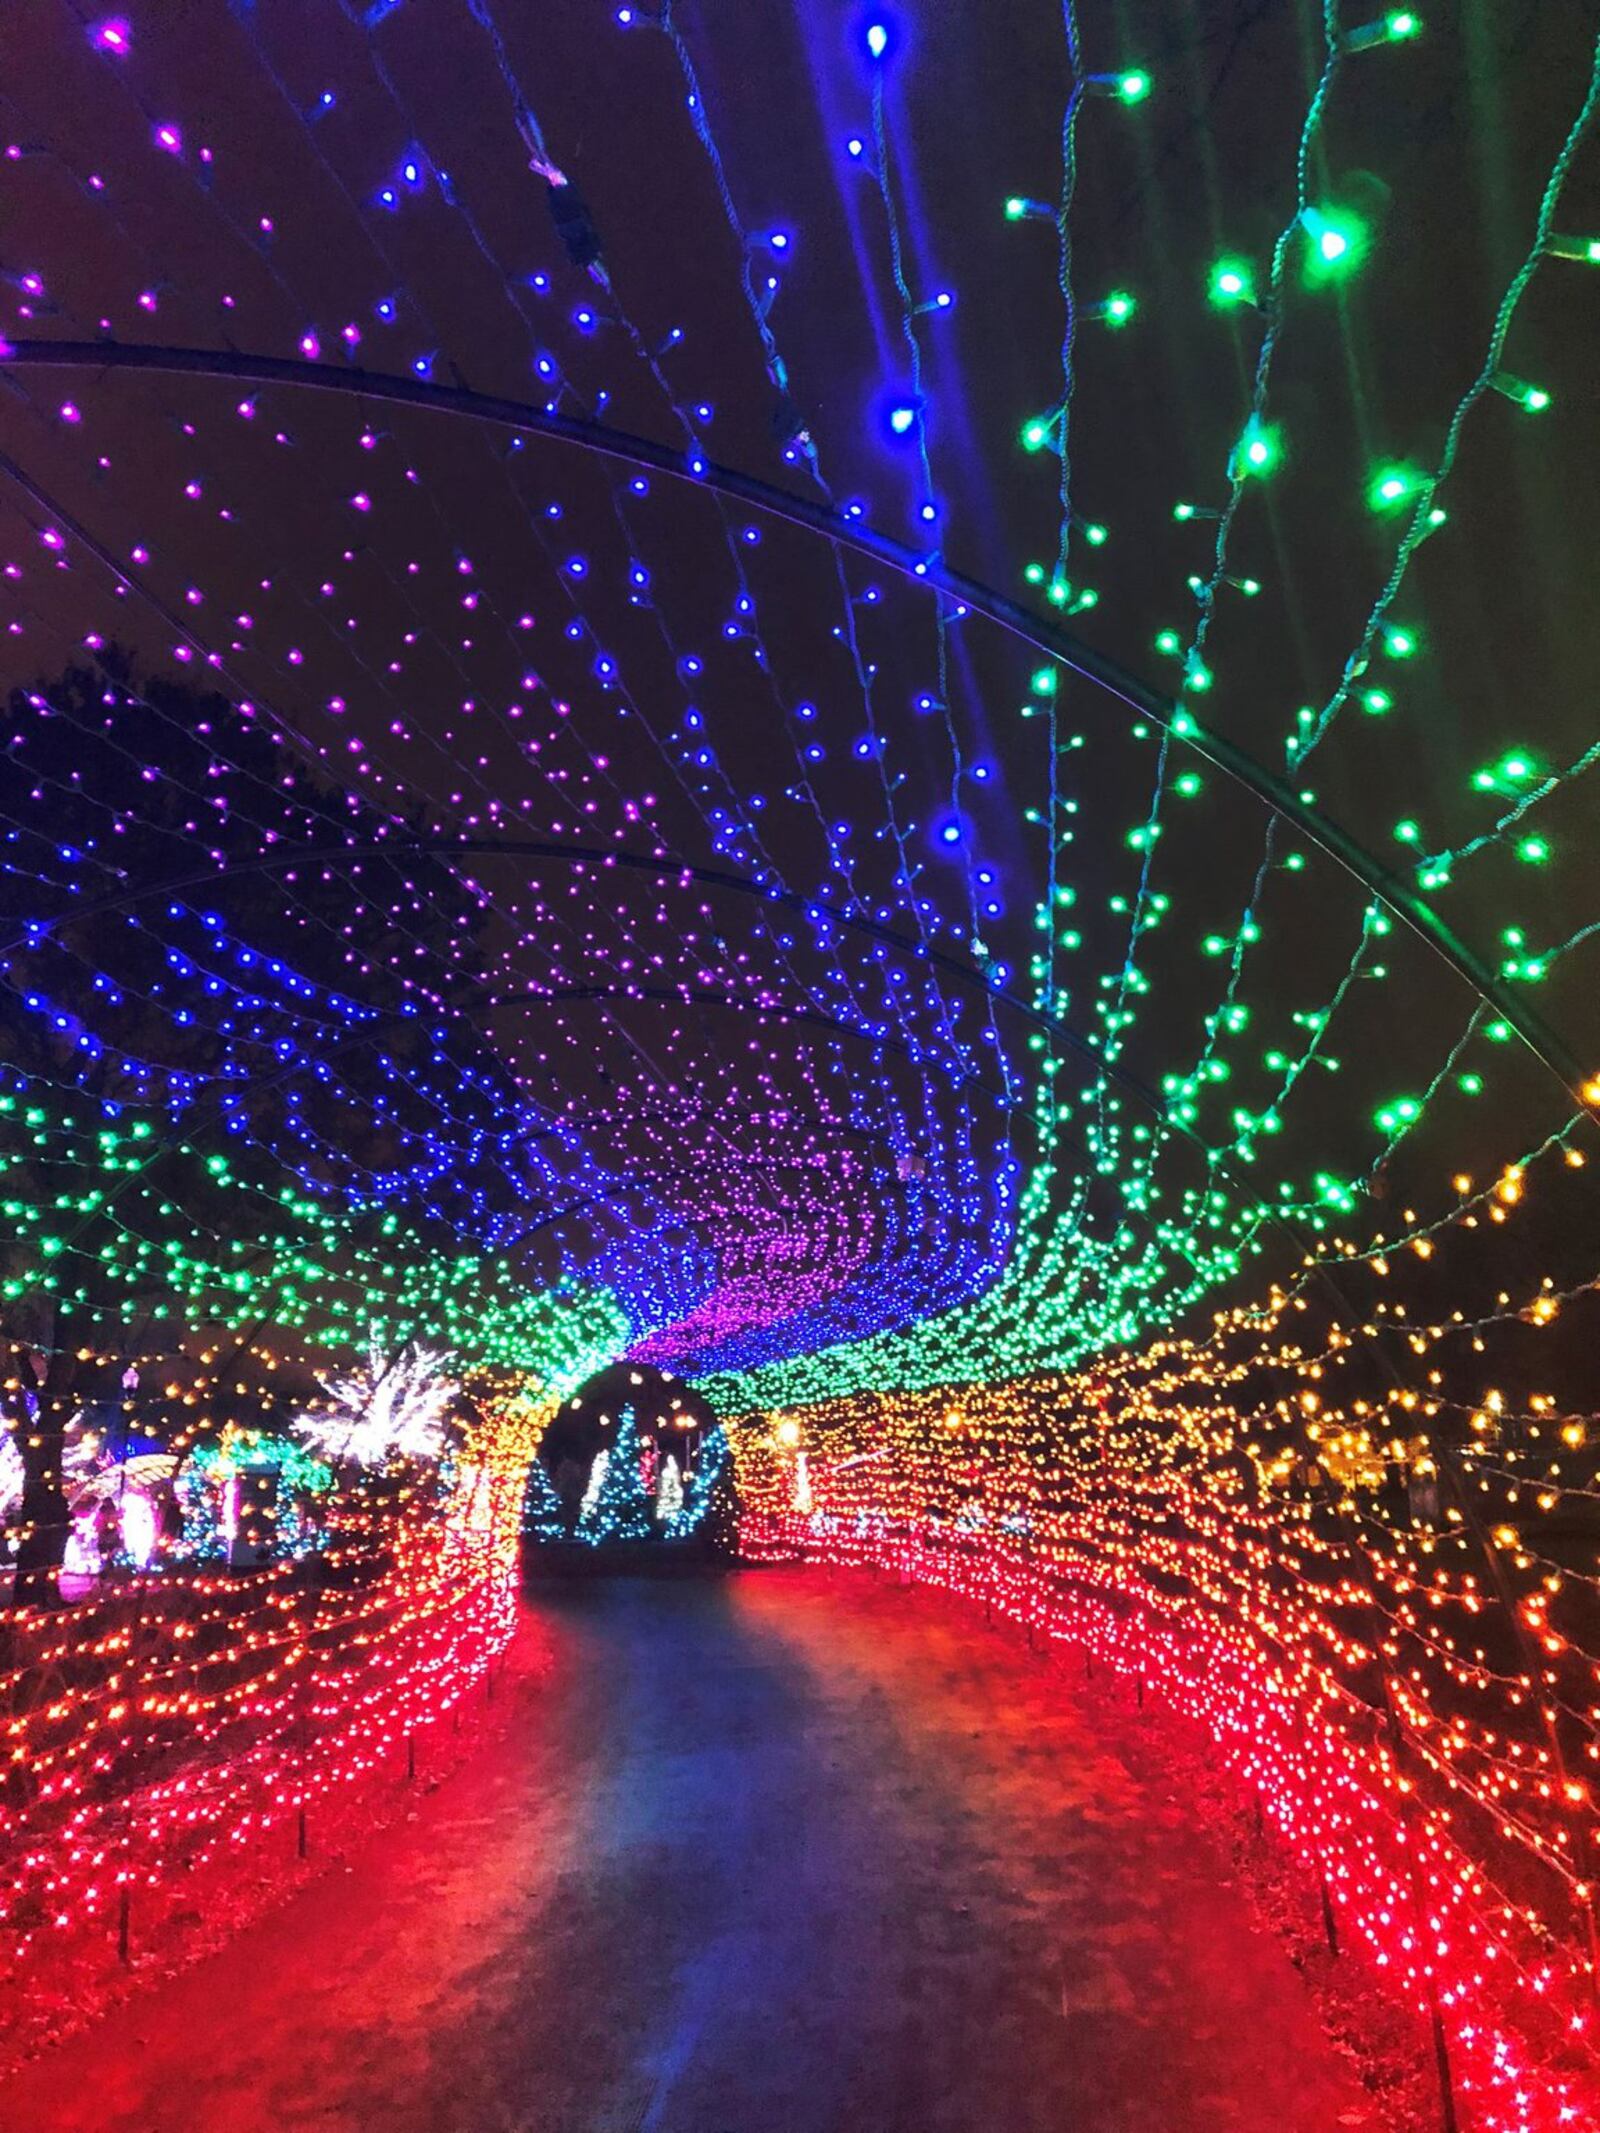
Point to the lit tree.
(708, 1482)
(620, 1509)
(592, 1488)
(543, 1515)
(669, 1494)
(395, 1409)
(163, 1147)
(12, 1476)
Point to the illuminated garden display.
(633, 1456)
(887, 711)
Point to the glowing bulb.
(1392, 486)
(1232, 283)
(1533, 398)
(1399, 26)
(1258, 450)
(1337, 241)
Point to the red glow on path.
(774, 1850)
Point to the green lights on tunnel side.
(1394, 485)
(1401, 25)
(1258, 452)
(1516, 770)
(1337, 242)
(1233, 282)
(1532, 399)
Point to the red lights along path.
(782, 1849)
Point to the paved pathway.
(770, 1853)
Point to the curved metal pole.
(1043, 635)
(712, 996)
(661, 865)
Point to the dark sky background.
(506, 632)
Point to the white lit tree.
(394, 1408)
(669, 1493)
(12, 1476)
(592, 1488)
(619, 1508)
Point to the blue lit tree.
(621, 1509)
(543, 1514)
(706, 1486)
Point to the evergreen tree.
(669, 1494)
(621, 1508)
(707, 1498)
(186, 1046)
(543, 1517)
(593, 1486)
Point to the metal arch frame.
(778, 1011)
(1541, 1039)
(1044, 636)
(663, 866)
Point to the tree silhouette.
(209, 1068)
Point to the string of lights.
(479, 914)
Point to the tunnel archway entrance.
(633, 1471)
